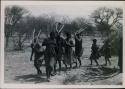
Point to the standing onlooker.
(120, 60)
(32, 47)
(78, 47)
(94, 52)
(107, 52)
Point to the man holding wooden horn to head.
(60, 45)
(78, 45)
(36, 51)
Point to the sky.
(68, 9)
(83, 9)
(71, 11)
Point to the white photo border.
(5, 85)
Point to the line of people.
(57, 50)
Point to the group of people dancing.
(59, 50)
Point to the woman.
(78, 48)
(69, 53)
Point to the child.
(95, 54)
(107, 52)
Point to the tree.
(21, 33)
(109, 23)
(82, 23)
(13, 15)
(106, 18)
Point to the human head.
(37, 46)
(35, 39)
(52, 35)
(59, 23)
(78, 34)
(68, 35)
(58, 36)
(94, 41)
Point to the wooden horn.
(61, 28)
(33, 33)
(56, 27)
(78, 31)
(82, 29)
(38, 34)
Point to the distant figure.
(107, 52)
(50, 54)
(94, 52)
(69, 53)
(78, 47)
(60, 51)
(120, 60)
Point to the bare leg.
(75, 64)
(79, 61)
(47, 72)
(91, 61)
(65, 64)
(31, 55)
(37, 68)
(109, 61)
(70, 66)
(55, 66)
(96, 61)
(105, 61)
(52, 65)
(59, 61)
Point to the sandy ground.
(19, 69)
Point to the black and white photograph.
(62, 43)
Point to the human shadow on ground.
(32, 78)
(91, 74)
(101, 73)
(64, 69)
